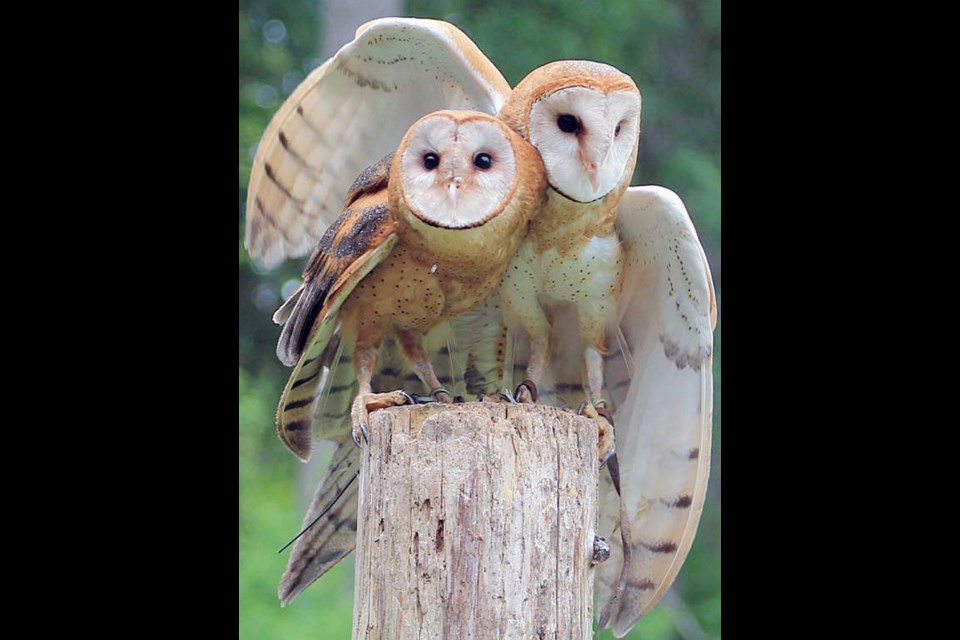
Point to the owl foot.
(526, 391)
(601, 416)
(363, 404)
(503, 396)
(442, 395)
(437, 395)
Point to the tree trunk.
(476, 521)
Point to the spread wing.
(663, 424)
(659, 381)
(349, 112)
(358, 241)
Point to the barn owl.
(426, 234)
(656, 365)
(584, 119)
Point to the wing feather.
(667, 316)
(659, 380)
(333, 536)
(349, 112)
(358, 241)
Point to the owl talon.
(601, 415)
(364, 403)
(606, 440)
(360, 431)
(446, 394)
(613, 468)
(526, 391)
(434, 397)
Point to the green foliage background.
(672, 50)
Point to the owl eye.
(568, 123)
(616, 131)
(430, 161)
(482, 161)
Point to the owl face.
(457, 169)
(587, 138)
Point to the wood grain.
(476, 521)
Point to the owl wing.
(350, 111)
(331, 520)
(663, 423)
(358, 241)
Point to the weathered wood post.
(476, 521)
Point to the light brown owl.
(417, 244)
(426, 235)
(653, 364)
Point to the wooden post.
(476, 521)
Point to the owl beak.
(592, 159)
(592, 174)
(453, 189)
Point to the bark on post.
(476, 521)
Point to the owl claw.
(364, 403)
(613, 468)
(435, 396)
(436, 393)
(526, 391)
(601, 415)
(360, 431)
(607, 453)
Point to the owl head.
(457, 170)
(584, 119)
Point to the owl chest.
(466, 266)
(410, 291)
(399, 293)
(591, 271)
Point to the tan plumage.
(403, 258)
(654, 359)
(414, 247)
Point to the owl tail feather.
(330, 525)
(281, 315)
